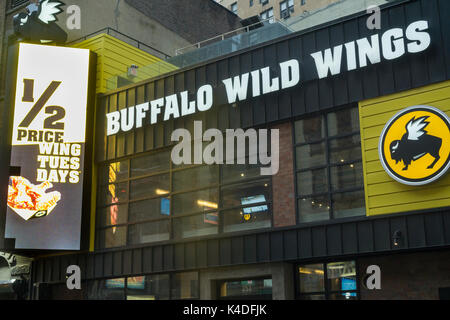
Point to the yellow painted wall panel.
(383, 194)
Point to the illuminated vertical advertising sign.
(48, 145)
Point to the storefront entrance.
(254, 289)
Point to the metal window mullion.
(327, 151)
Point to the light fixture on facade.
(161, 192)
(207, 204)
(397, 238)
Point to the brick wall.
(409, 276)
(283, 183)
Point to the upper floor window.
(303, 2)
(268, 14)
(148, 199)
(286, 7)
(329, 166)
(16, 3)
(251, 3)
(234, 7)
(263, 2)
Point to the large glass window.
(257, 289)
(147, 199)
(174, 286)
(329, 166)
(333, 281)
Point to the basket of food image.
(29, 200)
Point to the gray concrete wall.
(281, 274)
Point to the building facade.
(274, 8)
(311, 231)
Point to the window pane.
(155, 287)
(185, 286)
(112, 237)
(250, 218)
(150, 187)
(309, 130)
(341, 276)
(259, 287)
(114, 172)
(149, 209)
(313, 297)
(314, 209)
(113, 215)
(149, 164)
(197, 178)
(149, 232)
(239, 172)
(311, 155)
(114, 193)
(196, 226)
(343, 122)
(349, 204)
(347, 176)
(312, 182)
(345, 149)
(311, 278)
(110, 289)
(247, 193)
(197, 201)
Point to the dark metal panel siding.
(179, 256)
(201, 252)
(319, 241)
(157, 259)
(127, 262)
(56, 272)
(365, 237)
(355, 89)
(263, 241)
(108, 265)
(190, 256)
(118, 263)
(168, 257)
(386, 80)
(304, 243)
(400, 224)
(290, 245)
(444, 9)
(245, 107)
(213, 253)
(446, 220)
(416, 231)
(325, 86)
(48, 270)
(434, 230)
(98, 265)
(225, 251)
(250, 251)
(297, 94)
(258, 104)
(237, 249)
(271, 61)
(147, 260)
(276, 246)
(137, 261)
(349, 238)
(339, 83)
(382, 235)
(334, 240)
(311, 88)
(39, 271)
(436, 62)
(90, 266)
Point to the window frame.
(326, 290)
(101, 227)
(327, 166)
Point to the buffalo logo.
(38, 24)
(414, 147)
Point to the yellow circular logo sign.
(414, 147)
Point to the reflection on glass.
(196, 226)
(113, 215)
(114, 193)
(114, 172)
(309, 130)
(185, 286)
(311, 278)
(349, 204)
(341, 276)
(314, 209)
(239, 172)
(345, 149)
(238, 220)
(149, 164)
(148, 232)
(149, 209)
(311, 155)
(155, 287)
(246, 193)
(195, 178)
(343, 122)
(112, 237)
(110, 289)
(312, 182)
(347, 176)
(149, 187)
(259, 287)
(197, 201)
